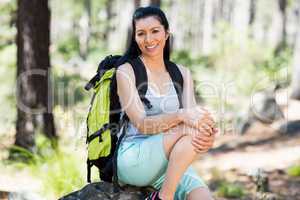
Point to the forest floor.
(238, 159)
(235, 159)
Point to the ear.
(167, 34)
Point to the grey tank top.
(166, 103)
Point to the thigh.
(141, 164)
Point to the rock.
(244, 125)
(290, 128)
(264, 108)
(105, 191)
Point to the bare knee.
(184, 146)
(178, 136)
(169, 140)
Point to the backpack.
(105, 118)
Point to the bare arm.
(188, 94)
(133, 106)
(203, 138)
(192, 114)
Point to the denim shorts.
(142, 162)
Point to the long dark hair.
(133, 51)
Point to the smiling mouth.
(151, 47)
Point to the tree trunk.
(252, 11)
(137, 3)
(85, 29)
(109, 16)
(207, 27)
(296, 65)
(34, 105)
(155, 3)
(282, 44)
(252, 15)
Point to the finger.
(201, 146)
(203, 138)
(199, 151)
(207, 129)
(207, 121)
(200, 142)
(207, 142)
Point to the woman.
(161, 142)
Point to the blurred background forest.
(245, 59)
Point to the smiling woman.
(151, 36)
(163, 139)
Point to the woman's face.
(151, 36)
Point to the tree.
(137, 3)
(85, 29)
(34, 106)
(207, 27)
(252, 12)
(109, 16)
(296, 64)
(155, 3)
(283, 11)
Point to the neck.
(154, 63)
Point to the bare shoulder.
(125, 71)
(126, 67)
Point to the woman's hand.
(203, 141)
(198, 118)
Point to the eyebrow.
(139, 30)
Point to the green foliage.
(8, 19)
(294, 171)
(274, 63)
(68, 47)
(7, 88)
(183, 57)
(59, 170)
(230, 190)
(68, 88)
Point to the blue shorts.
(142, 162)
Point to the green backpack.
(105, 117)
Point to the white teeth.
(151, 47)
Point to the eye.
(155, 31)
(140, 34)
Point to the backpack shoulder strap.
(177, 79)
(141, 79)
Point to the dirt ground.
(238, 159)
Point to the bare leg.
(200, 193)
(169, 140)
(181, 156)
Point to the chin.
(152, 54)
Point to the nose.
(148, 38)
